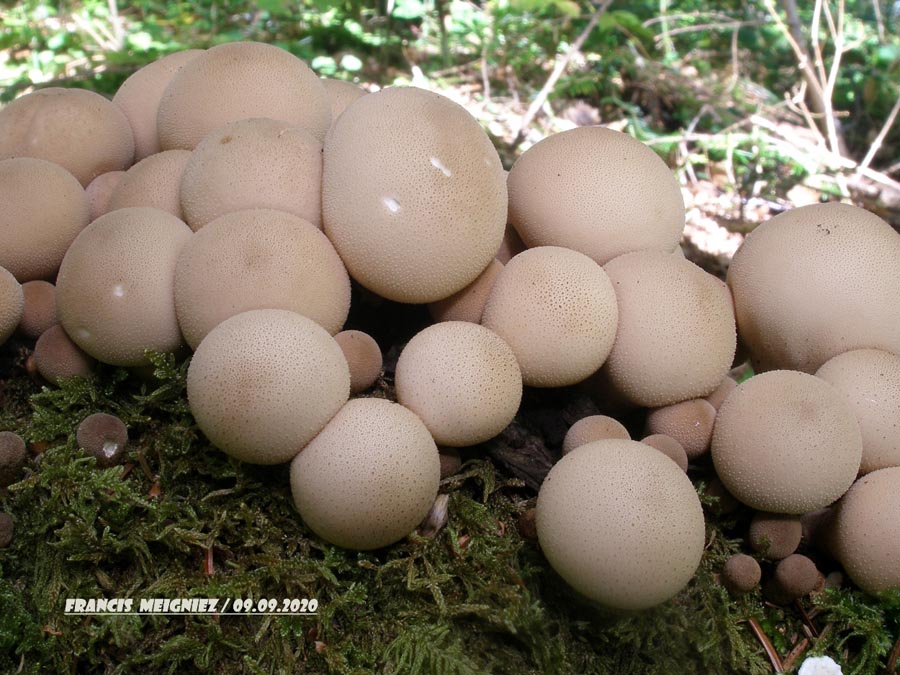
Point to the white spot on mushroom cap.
(676, 336)
(263, 383)
(462, 380)
(154, 181)
(597, 191)
(12, 304)
(869, 379)
(814, 282)
(557, 310)
(786, 442)
(621, 524)
(256, 259)
(115, 291)
(254, 164)
(77, 129)
(44, 209)
(369, 477)
(404, 229)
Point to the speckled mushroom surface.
(621, 524)
(722, 391)
(557, 310)
(741, 574)
(12, 304)
(468, 304)
(139, 96)
(77, 129)
(866, 531)
(235, 81)
(462, 380)
(597, 191)
(263, 383)
(795, 576)
(593, 428)
(369, 478)
(39, 312)
(259, 259)
(689, 422)
(44, 209)
(413, 194)
(100, 190)
(252, 164)
(869, 380)
(773, 535)
(115, 291)
(341, 94)
(56, 356)
(814, 282)
(363, 358)
(669, 447)
(154, 181)
(786, 442)
(676, 336)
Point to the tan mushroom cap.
(57, 357)
(593, 428)
(75, 128)
(263, 383)
(786, 442)
(363, 357)
(866, 531)
(413, 195)
(597, 191)
(676, 336)
(115, 292)
(341, 94)
(721, 393)
(621, 524)
(254, 164)
(369, 478)
(40, 308)
(557, 310)
(669, 447)
(139, 96)
(100, 190)
(775, 535)
(689, 422)
(869, 379)
(154, 181)
(814, 282)
(468, 304)
(236, 81)
(462, 380)
(259, 259)
(12, 304)
(44, 209)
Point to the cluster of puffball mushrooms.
(225, 199)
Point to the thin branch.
(767, 645)
(879, 21)
(833, 75)
(893, 657)
(731, 25)
(882, 134)
(557, 72)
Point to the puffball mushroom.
(722, 391)
(795, 576)
(263, 383)
(39, 312)
(100, 190)
(370, 476)
(341, 94)
(511, 245)
(689, 422)
(468, 304)
(75, 128)
(786, 442)
(741, 574)
(57, 357)
(774, 535)
(597, 191)
(557, 310)
(139, 96)
(44, 209)
(413, 194)
(814, 282)
(363, 357)
(12, 457)
(462, 380)
(12, 304)
(236, 81)
(103, 437)
(676, 335)
(259, 259)
(115, 291)
(669, 447)
(621, 524)
(869, 379)
(593, 428)
(866, 531)
(250, 164)
(154, 181)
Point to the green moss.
(477, 598)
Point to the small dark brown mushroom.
(57, 357)
(450, 461)
(775, 536)
(741, 574)
(12, 457)
(795, 576)
(103, 437)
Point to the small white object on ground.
(820, 665)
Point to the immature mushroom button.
(57, 357)
(468, 304)
(40, 308)
(796, 576)
(775, 536)
(689, 422)
(154, 181)
(593, 428)
(12, 457)
(669, 447)
(721, 393)
(363, 357)
(103, 437)
(741, 574)
(100, 190)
